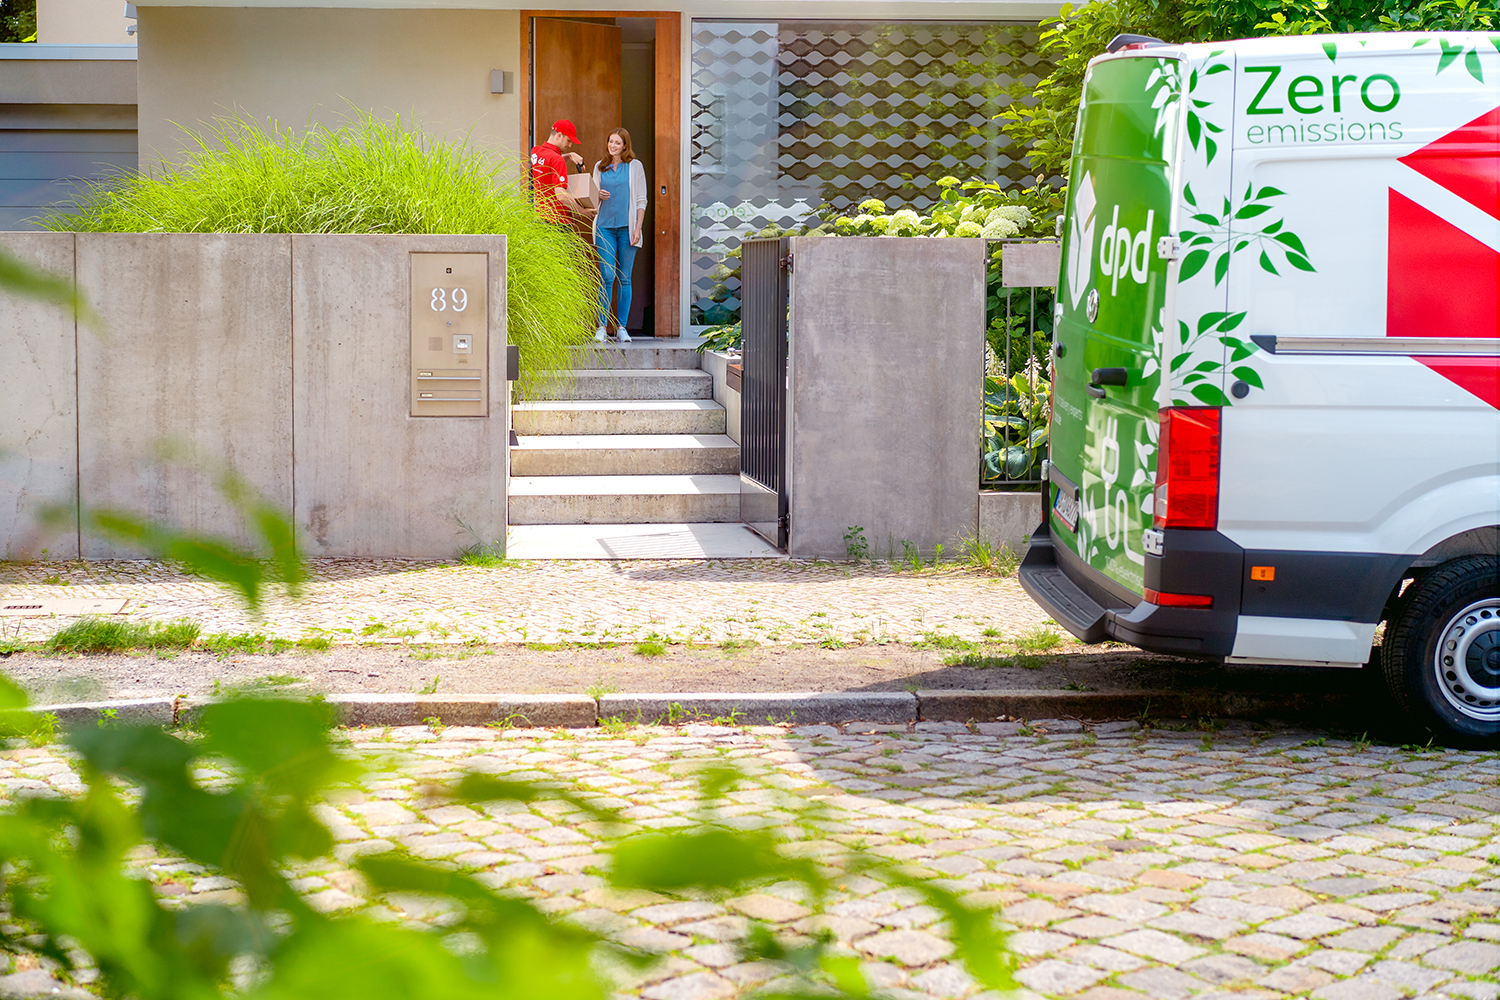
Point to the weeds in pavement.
(1038, 640)
(431, 686)
(981, 553)
(483, 556)
(224, 644)
(652, 645)
(910, 558)
(729, 645)
(937, 640)
(856, 546)
(1076, 686)
(104, 635)
(314, 644)
(599, 689)
(254, 686)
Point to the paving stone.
(1472, 958)
(907, 947)
(1222, 970)
(1336, 961)
(1295, 979)
(1055, 978)
(1305, 926)
(1363, 988)
(694, 986)
(1159, 981)
(1268, 947)
(1155, 945)
(1198, 925)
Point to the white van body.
(1290, 246)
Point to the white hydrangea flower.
(973, 213)
(1018, 214)
(968, 229)
(908, 216)
(999, 228)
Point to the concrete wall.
(885, 370)
(82, 22)
(1009, 519)
(371, 480)
(284, 358)
(194, 359)
(717, 365)
(301, 64)
(38, 408)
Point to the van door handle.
(1101, 377)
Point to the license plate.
(1065, 506)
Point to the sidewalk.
(584, 601)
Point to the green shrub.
(369, 176)
(109, 635)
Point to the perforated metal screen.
(790, 116)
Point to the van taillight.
(1187, 468)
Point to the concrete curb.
(755, 708)
(890, 708)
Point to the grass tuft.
(484, 556)
(225, 644)
(105, 635)
(369, 176)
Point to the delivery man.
(549, 174)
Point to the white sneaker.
(599, 335)
(624, 337)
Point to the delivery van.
(1276, 397)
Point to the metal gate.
(764, 283)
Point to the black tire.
(1456, 605)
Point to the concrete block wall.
(284, 358)
(38, 407)
(717, 365)
(885, 369)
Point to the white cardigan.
(637, 198)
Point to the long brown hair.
(626, 154)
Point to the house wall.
(297, 65)
(82, 22)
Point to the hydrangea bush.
(973, 209)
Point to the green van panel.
(1119, 205)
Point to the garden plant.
(368, 176)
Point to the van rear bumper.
(1082, 601)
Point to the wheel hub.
(1467, 661)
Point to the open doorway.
(601, 71)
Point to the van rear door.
(1111, 316)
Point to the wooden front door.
(576, 74)
(577, 77)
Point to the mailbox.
(450, 334)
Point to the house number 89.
(440, 300)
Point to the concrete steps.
(632, 383)
(625, 416)
(625, 454)
(642, 499)
(635, 441)
(636, 355)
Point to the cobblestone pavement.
(1229, 863)
(561, 601)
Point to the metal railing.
(1019, 294)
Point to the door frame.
(666, 212)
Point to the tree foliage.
(1042, 117)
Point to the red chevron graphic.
(1440, 281)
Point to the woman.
(619, 225)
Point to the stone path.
(578, 601)
(1229, 863)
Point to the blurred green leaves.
(70, 891)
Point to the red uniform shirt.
(549, 171)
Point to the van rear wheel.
(1441, 654)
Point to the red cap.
(564, 127)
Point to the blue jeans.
(616, 259)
